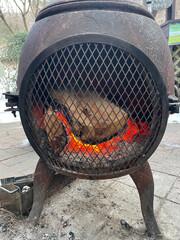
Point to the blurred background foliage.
(16, 18)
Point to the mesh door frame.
(103, 39)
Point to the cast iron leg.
(144, 182)
(42, 177)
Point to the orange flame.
(133, 130)
(78, 146)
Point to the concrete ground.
(94, 210)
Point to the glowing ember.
(133, 130)
(78, 146)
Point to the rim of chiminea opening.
(79, 5)
(99, 39)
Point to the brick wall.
(160, 17)
(177, 9)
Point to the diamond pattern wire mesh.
(93, 109)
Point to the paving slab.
(6, 171)
(15, 151)
(5, 155)
(174, 193)
(165, 168)
(163, 183)
(169, 220)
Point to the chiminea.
(94, 81)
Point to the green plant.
(2, 73)
(14, 46)
(4, 33)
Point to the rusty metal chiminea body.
(94, 80)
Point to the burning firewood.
(93, 119)
(55, 131)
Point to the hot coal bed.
(93, 86)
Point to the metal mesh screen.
(92, 109)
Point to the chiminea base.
(144, 182)
(44, 179)
(142, 178)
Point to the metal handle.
(11, 192)
(173, 104)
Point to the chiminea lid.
(80, 5)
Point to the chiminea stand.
(142, 178)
